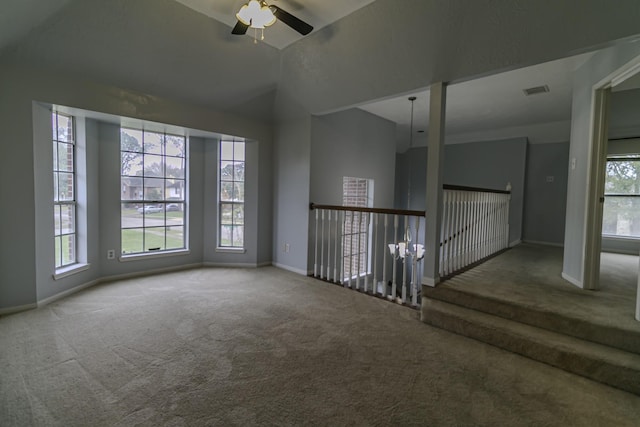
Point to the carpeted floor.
(267, 347)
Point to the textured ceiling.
(490, 103)
(318, 13)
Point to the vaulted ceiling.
(183, 50)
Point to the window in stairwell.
(153, 191)
(231, 175)
(621, 215)
(356, 236)
(64, 190)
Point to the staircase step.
(609, 335)
(611, 366)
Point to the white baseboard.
(265, 264)
(427, 281)
(572, 280)
(17, 309)
(291, 269)
(515, 243)
(230, 264)
(49, 300)
(538, 242)
(149, 272)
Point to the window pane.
(58, 252)
(130, 217)
(175, 237)
(132, 240)
(65, 186)
(68, 249)
(175, 146)
(131, 164)
(623, 177)
(238, 171)
(238, 151)
(154, 189)
(175, 167)
(225, 235)
(226, 213)
(238, 236)
(67, 219)
(56, 220)
(226, 191)
(238, 193)
(154, 239)
(65, 128)
(153, 143)
(55, 155)
(65, 157)
(153, 165)
(226, 150)
(174, 189)
(238, 214)
(131, 140)
(621, 216)
(153, 214)
(175, 215)
(226, 171)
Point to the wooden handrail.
(313, 206)
(474, 189)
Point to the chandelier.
(403, 249)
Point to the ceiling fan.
(258, 14)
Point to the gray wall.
(487, 164)
(601, 65)
(350, 143)
(545, 193)
(26, 257)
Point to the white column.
(435, 169)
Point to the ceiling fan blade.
(295, 23)
(240, 28)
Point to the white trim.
(17, 309)
(66, 293)
(230, 264)
(291, 269)
(539, 242)
(151, 255)
(571, 280)
(70, 270)
(150, 272)
(230, 250)
(265, 264)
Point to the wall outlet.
(111, 254)
(286, 248)
(550, 178)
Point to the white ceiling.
(318, 13)
(495, 105)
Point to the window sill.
(70, 270)
(152, 255)
(231, 250)
(622, 238)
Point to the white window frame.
(622, 158)
(236, 222)
(163, 204)
(70, 204)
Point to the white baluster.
(374, 288)
(384, 257)
(315, 252)
(395, 239)
(342, 243)
(358, 268)
(367, 216)
(335, 250)
(414, 270)
(322, 245)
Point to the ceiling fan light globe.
(248, 11)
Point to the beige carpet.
(267, 347)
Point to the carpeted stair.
(599, 352)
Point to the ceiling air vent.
(536, 90)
